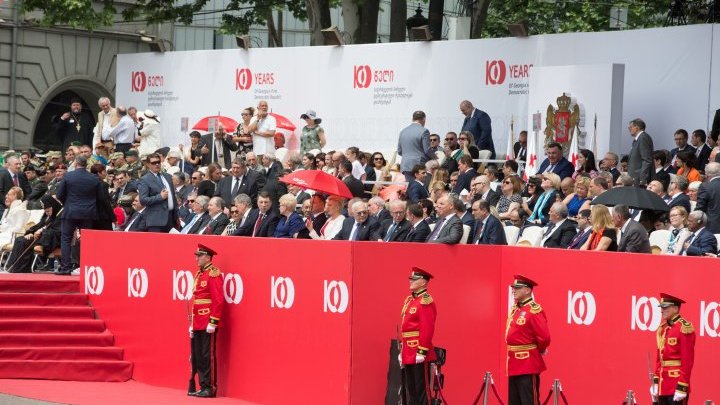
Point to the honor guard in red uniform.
(417, 352)
(207, 305)
(527, 337)
(675, 355)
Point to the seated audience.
(604, 234)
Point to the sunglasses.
(234, 211)
(156, 162)
(380, 159)
(507, 182)
(191, 201)
(434, 140)
(195, 178)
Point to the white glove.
(679, 396)
(419, 358)
(210, 328)
(190, 330)
(400, 360)
(654, 392)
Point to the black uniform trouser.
(203, 359)
(68, 227)
(417, 384)
(668, 400)
(524, 389)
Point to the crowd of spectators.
(443, 189)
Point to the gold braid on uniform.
(214, 271)
(535, 308)
(686, 327)
(426, 299)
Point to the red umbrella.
(317, 180)
(283, 122)
(204, 124)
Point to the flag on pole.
(594, 139)
(532, 164)
(510, 152)
(574, 151)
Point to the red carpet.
(49, 331)
(93, 393)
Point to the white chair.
(717, 236)
(35, 216)
(466, 233)
(511, 234)
(660, 239)
(532, 234)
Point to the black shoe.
(192, 393)
(63, 273)
(206, 393)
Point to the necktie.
(258, 224)
(166, 186)
(410, 234)
(576, 239)
(675, 232)
(479, 232)
(550, 169)
(549, 230)
(190, 224)
(236, 187)
(690, 241)
(390, 232)
(436, 231)
(322, 230)
(132, 221)
(15, 180)
(354, 232)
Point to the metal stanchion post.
(630, 398)
(556, 391)
(488, 379)
(709, 402)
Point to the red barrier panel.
(329, 342)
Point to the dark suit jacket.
(183, 193)
(355, 186)
(662, 176)
(136, 223)
(580, 239)
(39, 188)
(702, 158)
(267, 228)
(6, 183)
(681, 200)
(708, 201)
(79, 192)
(492, 234)
(517, 148)
(615, 173)
(563, 168)
(416, 192)
(634, 239)
(562, 236)
(156, 208)
(451, 232)
(399, 233)
(464, 181)
(704, 242)
(450, 164)
(217, 226)
(418, 233)
(479, 124)
(467, 219)
(207, 140)
(492, 197)
(200, 225)
(248, 185)
(130, 187)
(687, 147)
(640, 161)
(368, 230)
(383, 215)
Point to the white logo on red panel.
(233, 288)
(183, 281)
(94, 280)
(646, 315)
(336, 296)
(282, 292)
(709, 319)
(581, 308)
(137, 283)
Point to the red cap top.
(522, 281)
(667, 300)
(204, 250)
(418, 273)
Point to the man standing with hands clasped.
(675, 355)
(417, 351)
(207, 305)
(527, 338)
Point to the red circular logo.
(495, 72)
(139, 81)
(362, 76)
(243, 79)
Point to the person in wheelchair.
(42, 238)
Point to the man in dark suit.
(708, 197)
(555, 162)
(271, 168)
(414, 145)
(262, 221)
(676, 191)
(79, 192)
(481, 190)
(361, 226)
(240, 181)
(218, 220)
(10, 177)
(378, 210)
(520, 147)
(478, 123)
(354, 185)
(467, 173)
(609, 163)
(681, 144)
(584, 230)
(450, 147)
(633, 237)
(701, 240)
(448, 228)
(419, 229)
(659, 173)
(416, 190)
(559, 232)
(182, 190)
(216, 148)
(123, 185)
(640, 162)
(487, 230)
(136, 222)
(196, 222)
(702, 150)
(158, 196)
(396, 228)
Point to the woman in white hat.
(149, 133)
(313, 136)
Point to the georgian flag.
(574, 152)
(510, 151)
(532, 164)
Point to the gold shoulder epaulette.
(686, 327)
(214, 271)
(535, 308)
(426, 299)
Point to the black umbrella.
(633, 197)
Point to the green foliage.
(548, 16)
(76, 13)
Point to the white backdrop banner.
(366, 94)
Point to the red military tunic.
(675, 355)
(527, 336)
(418, 327)
(207, 297)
